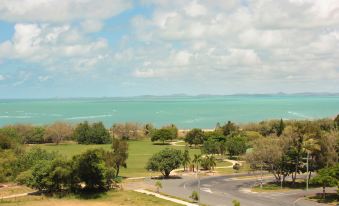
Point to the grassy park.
(139, 153)
(110, 198)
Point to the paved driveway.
(221, 190)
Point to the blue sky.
(62, 48)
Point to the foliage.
(336, 121)
(186, 159)
(211, 146)
(128, 131)
(7, 157)
(50, 176)
(327, 177)
(229, 128)
(236, 203)
(120, 154)
(236, 167)
(165, 161)
(173, 129)
(57, 132)
(158, 185)
(195, 136)
(27, 160)
(194, 196)
(208, 162)
(91, 169)
(236, 145)
(162, 135)
(196, 160)
(96, 133)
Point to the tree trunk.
(324, 192)
(118, 170)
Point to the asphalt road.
(221, 190)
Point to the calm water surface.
(186, 112)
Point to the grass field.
(127, 198)
(138, 154)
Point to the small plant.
(194, 196)
(158, 186)
(236, 167)
(236, 203)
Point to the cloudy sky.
(81, 48)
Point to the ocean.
(184, 111)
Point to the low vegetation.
(72, 159)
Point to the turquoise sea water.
(186, 112)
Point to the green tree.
(120, 154)
(173, 129)
(208, 162)
(196, 160)
(279, 127)
(336, 121)
(229, 128)
(82, 133)
(50, 176)
(211, 146)
(162, 135)
(99, 134)
(186, 159)
(91, 169)
(96, 133)
(236, 145)
(327, 177)
(195, 136)
(165, 161)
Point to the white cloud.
(254, 40)
(2, 77)
(60, 10)
(43, 78)
(91, 25)
(53, 46)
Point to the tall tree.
(57, 132)
(196, 160)
(186, 159)
(120, 154)
(195, 136)
(229, 128)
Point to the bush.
(194, 196)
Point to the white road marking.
(205, 189)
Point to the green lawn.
(127, 198)
(139, 153)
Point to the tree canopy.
(165, 161)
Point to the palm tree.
(212, 162)
(197, 160)
(187, 159)
(310, 146)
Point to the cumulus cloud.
(53, 46)
(260, 39)
(261, 42)
(60, 10)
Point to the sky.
(90, 48)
